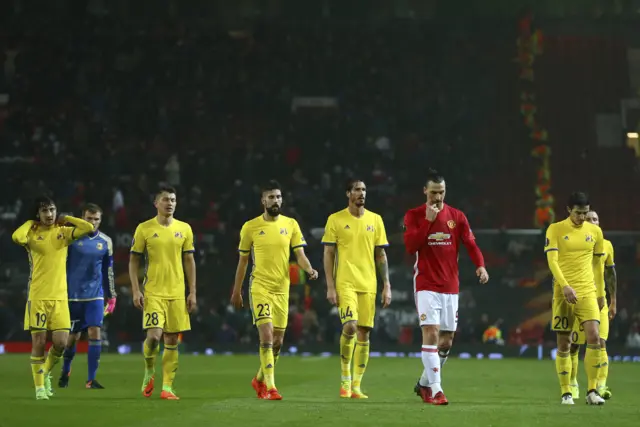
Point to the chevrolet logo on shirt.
(441, 239)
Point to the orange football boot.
(440, 399)
(168, 394)
(147, 388)
(260, 387)
(272, 395)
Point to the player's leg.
(603, 390)
(588, 313)
(280, 318)
(60, 324)
(577, 339)
(177, 321)
(77, 316)
(448, 326)
(366, 317)
(261, 309)
(562, 323)
(348, 312)
(153, 320)
(94, 315)
(38, 342)
(429, 305)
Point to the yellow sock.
(267, 364)
(360, 360)
(53, 358)
(346, 353)
(37, 370)
(604, 368)
(169, 365)
(150, 357)
(563, 369)
(276, 355)
(592, 365)
(574, 367)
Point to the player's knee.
(363, 334)
(349, 328)
(171, 339)
(564, 342)
(574, 348)
(430, 335)
(38, 341)
(93, 332)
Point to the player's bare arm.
(134, 267)
(189, 263)
(304, 262)
(383, 269)
(241, 272)
(329, 259)
(611, 279)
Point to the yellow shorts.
(267, 307)
(170, 315)
(577, 335)
(47, 315)
(565, 314)
(358, 306)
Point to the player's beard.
(359, 202)
(273, 211)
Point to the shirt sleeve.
(551, 240)
(330, 236)
(246, 240)
(598, 251)
(297, 239)
(188, 245)
(551, 249)
(415, 234)
(381, 233)
(108, 278)
(138, 243)
(68, 233)
(469, 241)
(610, 262)
(20, 236)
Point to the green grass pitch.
(216, 391)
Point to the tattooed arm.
(383, 269)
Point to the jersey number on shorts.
(152, 319)
(561, 321)
(264, 310)
(41, 319)
(346, 313)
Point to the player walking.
(89, 279)
(606, 313)
(168, 246)
(47, 308)
(433, 232)
(571, 246)
(354, 241)
(269, 239)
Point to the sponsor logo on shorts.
(423, 317)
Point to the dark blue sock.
(93, 358)
(68, 355)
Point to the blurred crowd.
(105, 110)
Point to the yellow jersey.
(47, 251)
(355, 240)
(270, 244)
(606, 261)
(576, 247)
(163, 248)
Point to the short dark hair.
(270, 185)
(351, 182)
(434, 176)
(578, 198)
(91, 207)
(41, 202)
(166, 189)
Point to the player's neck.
(270, 218)
(356, 211)
(165, 221)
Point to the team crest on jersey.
(99, 246)
(452, 224)
(60, 236)
(283, 231)
(80, 244)
(178, 234)
(370, 228)
(589, 238)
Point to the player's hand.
(62, 219)
(570, 294)
(600, 303)
(111, 305)
(192, 303)
(313, 275)
(138, 300)
(236, 299)
(386, 295)
(332, 296)
(612, 309)
(482, 274)
(432, 212)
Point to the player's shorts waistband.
(48, 299)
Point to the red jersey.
(436, 245)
